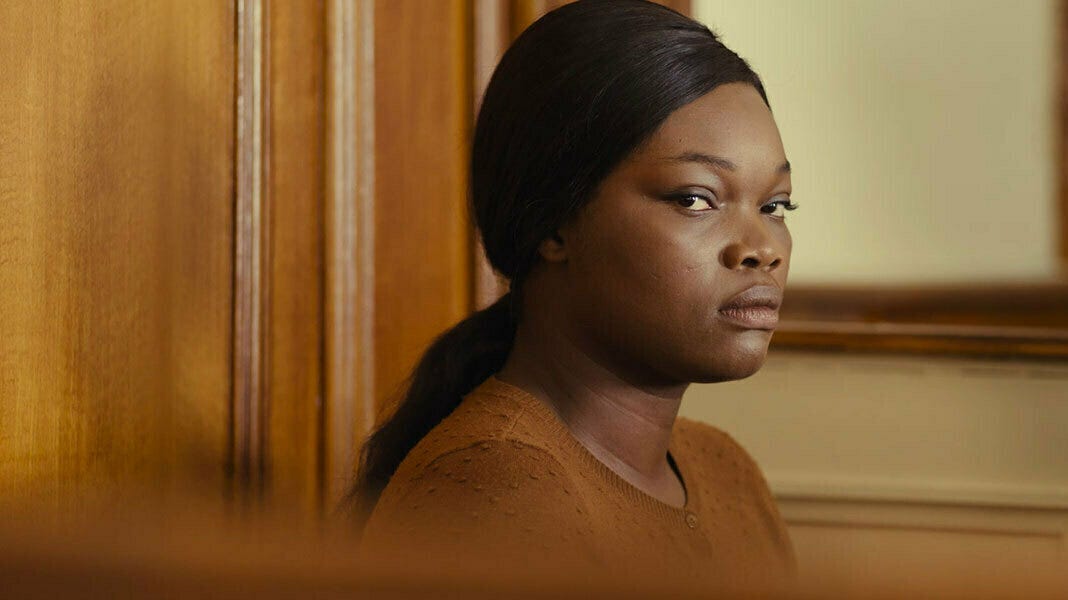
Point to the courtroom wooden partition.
(227, 231)
(117, 215)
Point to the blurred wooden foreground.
(193, 549)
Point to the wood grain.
(294, 147)
(116, 241)
(423, 250)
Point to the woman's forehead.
(731, 123)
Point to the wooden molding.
(820, 487)
(951, 518)
(294, 328)
(252, 243)
(349, 273)
(993, 320)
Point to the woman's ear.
(553, 249)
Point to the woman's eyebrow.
(716, 161)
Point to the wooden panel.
(294, 142)
(423, 250)
(116, 182)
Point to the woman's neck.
(626, 426)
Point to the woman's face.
(677, 264)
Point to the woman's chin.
(737, 361)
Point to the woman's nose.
(755, 250)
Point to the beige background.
(921, 138)
(920, 132)
(886, 464)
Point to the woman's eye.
(695, 203)
(778, 208)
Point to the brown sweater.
(502, 479)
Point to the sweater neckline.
(548, 417)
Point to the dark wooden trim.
(1003, 321)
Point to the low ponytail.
(454, 364)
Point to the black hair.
(577, 92)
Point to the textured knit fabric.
(503, 479)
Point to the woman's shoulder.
(491, 421)
(717, 457)
(485, 475)
(710, 446)
(480, 487)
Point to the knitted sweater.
(502, 479)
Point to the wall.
(919, 132)
(871, 456)
(922, 140)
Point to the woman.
(629, 180)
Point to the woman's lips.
(752, 317)
(756, 307)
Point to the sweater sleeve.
(496, 500)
